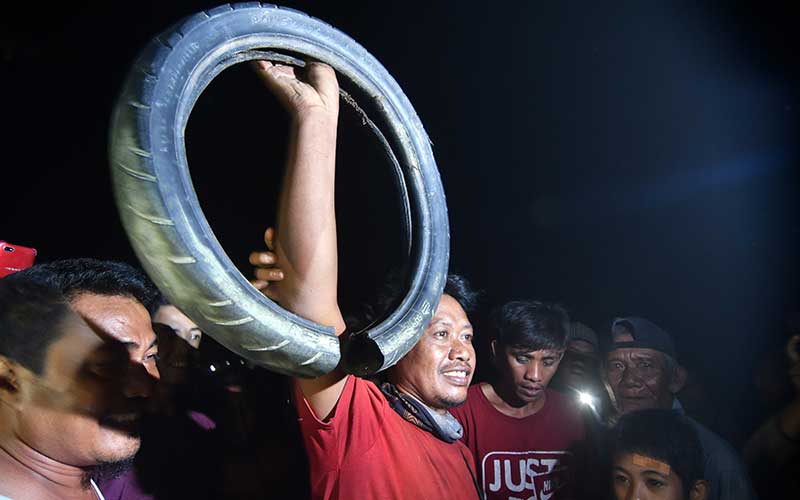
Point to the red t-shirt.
(367, 451)
(521, 458)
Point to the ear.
(678, 380)
(699, 490)
(10, 383)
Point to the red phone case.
(15, 258)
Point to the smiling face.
(525, 374)
(439, 368)
(644, 478)
(640, 379)
(83, 409)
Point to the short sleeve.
(351, 429)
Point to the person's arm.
(305, 239)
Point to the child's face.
(638, 477)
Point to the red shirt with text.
(521, 458)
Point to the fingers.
(270, 274)
(263, 259)
(269, 236)
(266, 290)
(323, 78)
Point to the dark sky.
(630, 159)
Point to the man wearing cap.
(642, 373)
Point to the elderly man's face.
(640, 379)
(84, 409)
(438, 370)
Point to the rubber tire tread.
(173, 240)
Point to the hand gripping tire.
(171, 236)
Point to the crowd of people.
(108, 391)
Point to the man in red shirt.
(519, 431)
(363, 441)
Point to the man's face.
(579, 366)
(644, 478)
(178, 338)
(184, 327)
(84, 409)
(640, 379)
(526, 373)
(438, 370)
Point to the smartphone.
(15, 258)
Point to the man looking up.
(519, 431)
(643, 374)
(71, 388)
(365, 442)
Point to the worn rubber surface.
(170, 234)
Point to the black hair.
(73, 277)
(530, 324)
(665, 436)
(31, 314)
(460, 289)
(391, 292)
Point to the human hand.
(302, 91)
(267, 273)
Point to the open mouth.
(127, 422)
(458, 376)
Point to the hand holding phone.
(15, 258)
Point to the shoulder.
(716, 449)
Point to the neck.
(409, 391)
(506, 402)
(32, 471)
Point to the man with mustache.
(363, 441)
(643, 373)
(77, 359)
(519, 431)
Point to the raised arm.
(305, 239)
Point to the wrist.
(315, 116)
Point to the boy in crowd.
(656, 455)
(519, 431)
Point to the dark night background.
(624, 159)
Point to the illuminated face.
(83, 409)
(439, 368)
(640, 379)
(526, 373)
(635, 477)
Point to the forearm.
(306, 231)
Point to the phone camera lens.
(9, 249)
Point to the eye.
(522, 359)
(655, 483)
(619, 478)
(152, 357)
(440, 334)
(616, 365)
(645, 364)
(548, 362)
(468, 337)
